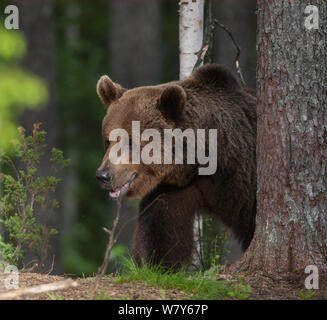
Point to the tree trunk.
(190, 37)
(190, 34)
(291, 218)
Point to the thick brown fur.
(211, 98)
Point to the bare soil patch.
(263, 288)
(108, 289)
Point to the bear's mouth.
(119, 192)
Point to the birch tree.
(190, 37)
(190, 34)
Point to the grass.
(103, 296)
(54, 296)
(308, 295)
(195, 285)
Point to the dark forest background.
(63, 47)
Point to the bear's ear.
(172, 101)
(109, 91)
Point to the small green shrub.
(22, 190)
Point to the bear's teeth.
(114, 194)
(122, 191)
(124, 188)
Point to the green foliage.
(214, 244)
(194, 285)
(308, 295)
(102, 296)
(81, 60)
(240, 291)
(19, 89)
(22, 190)
(118, 252)
(7, 250)
(12, 45)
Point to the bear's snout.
(104, 176)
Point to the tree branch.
(238, 50)
(42, 288)
(205, 52)
(110, 245)
(113, 237)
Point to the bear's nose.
(103, 176)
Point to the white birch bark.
(190, 34)
(191, 15)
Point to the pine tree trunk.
(291, 224)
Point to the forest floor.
(262, 288)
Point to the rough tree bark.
(291, 224)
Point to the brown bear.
(211, 98)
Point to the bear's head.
(154, 107)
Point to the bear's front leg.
(164, 230)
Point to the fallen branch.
(58, 285)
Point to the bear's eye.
(106, 144)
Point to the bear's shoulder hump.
(217, 76)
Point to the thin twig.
(111, 243)
(113, 239)
(18, 247)
(238, 50)
(207, 38)
(207, 42)
(12, 165)
(32, 268)
(52, 264)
